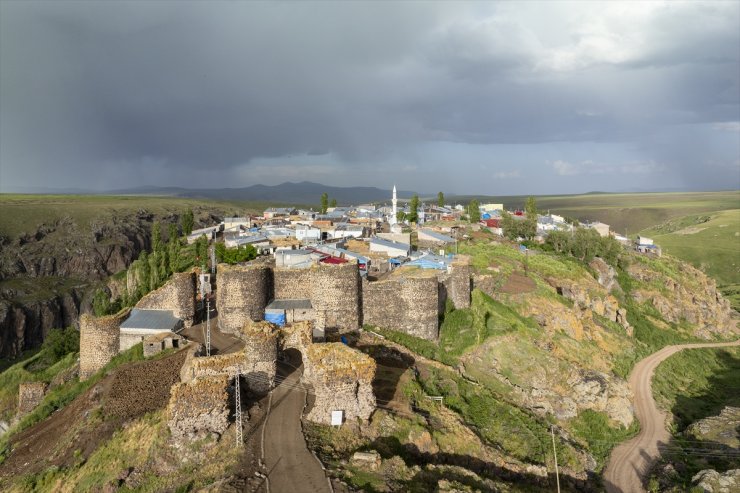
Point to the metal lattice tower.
(238, 406)
(208, 327)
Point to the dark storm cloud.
(94, 93)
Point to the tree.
(101, 303)
(324, 202)
(530, 207)
(333, 203)
(400, 216)
(187, 221)
(235, 255)
(60, 342)
(474, 211)
(441, 199)
(156, 237)
(413, 215)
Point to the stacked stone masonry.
(342, 381)
(30, 395)
(243, 293)
(407, 303)
(99, 341)
(261, 349)
(178, 295)
(199, 408)
(334, 292)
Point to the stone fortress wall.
(406, 302)
(342, 380)
(177, 294)
(99, 341)
(30, 395)
(243, 293)
(410, 301)
(334, 292)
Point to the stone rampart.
(342, 381)
(406, 302)
(177, 294)
(199, 408)
(30, 395)
(261, 348)
(99, 341)
(243, 293)
(334, 291)
(294, 284)
(297, 336)
(220, 364)
(458, 285)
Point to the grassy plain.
(626, 212)
(24, 213)
(711, 242)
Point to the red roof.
(334, 260)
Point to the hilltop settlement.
(380, 316)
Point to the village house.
(432, 239)
(143, 323)
(601, 228)
(390, 248)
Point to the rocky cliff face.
(684, 294)
(46, 275)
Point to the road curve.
(291, 466)
(630, 462)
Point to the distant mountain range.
(304, 192)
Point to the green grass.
(23, 213)
(626, 212)
(61, 396)
(500, 424)
(697, 383)
(463, 329)
(711, 245)
(593, 427)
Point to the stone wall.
(177, 294)
(342, 381)
(199, 408)
(220, 364)
(334, 291)
(406, 302)
(30, 395)
(243, 293)
(99, 341)
(261, 340)
(458, 285)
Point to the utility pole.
(208, 326)
(213, 258)
(238, 406)
(555, 453)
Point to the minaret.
(395, 204)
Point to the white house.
(390, 248)
(307, 234)
(642, 240)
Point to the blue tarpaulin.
(276, 318)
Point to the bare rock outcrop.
(691, 297)
(711, 481)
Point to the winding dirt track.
(630, 462)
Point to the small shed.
(157, 343)
(143, 323)
(281, 312)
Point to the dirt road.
(630, 462)
(292, 467)
(220, 343)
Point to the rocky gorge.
(49, 274)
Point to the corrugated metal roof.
(438, 236)
(390, 244)
(289, 305)
(151, 320)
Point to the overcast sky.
(480, 98)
